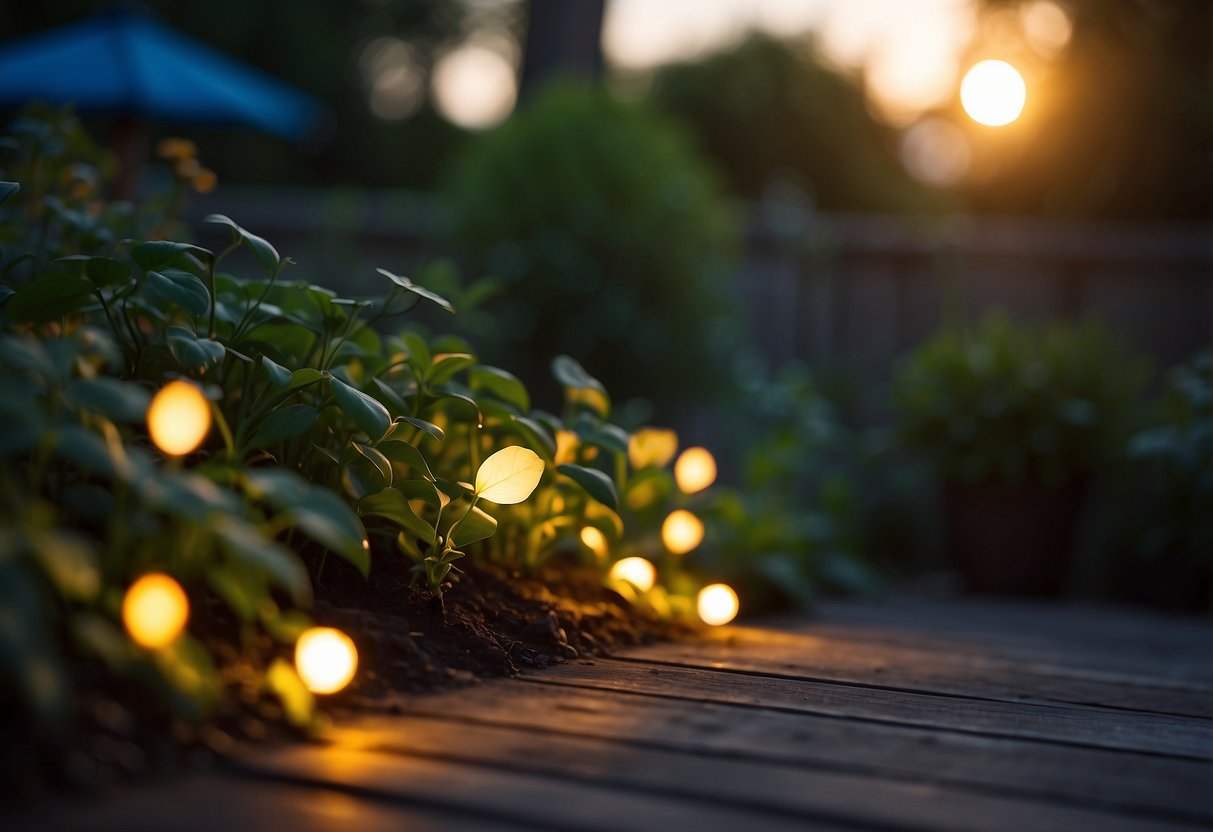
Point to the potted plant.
(1017, 420)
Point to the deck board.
(963, 715)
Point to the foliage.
(769, 108)
(1171, 527)
(608, 240)
(1017, 404)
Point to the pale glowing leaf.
(509, 476)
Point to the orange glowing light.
(155, 610)
(178, 418)
(594, 540)
(636, 571)
(993, 93)
(326, 659)
(681, 532)
(695, 470)
(717, 604)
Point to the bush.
(608, 238)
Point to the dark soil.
(490, 623)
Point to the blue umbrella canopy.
(126, 63)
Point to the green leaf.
(192, 351)
(297, 701)
(181, 288)
(162, 254)
(246, 544)
(8, 189)
(476, 525)
(597, 484)
(49, 296)
(119, 400)
(265, 253)
(429, 427)
(377, 460)
(27, 353)
(279, 375)
(285, 423)
(418, 353)
(446, 365)
(305, 376)
(571, 374)
(102, 271)
(392, 504)
(501, 384)
(420, 291)
(368, 414)
(397, 450)
(317, 511)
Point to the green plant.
(1015, 404)
(607, 238)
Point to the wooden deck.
(959, 715)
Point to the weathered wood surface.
(967, 715)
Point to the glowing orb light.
(695, 470)
(155, 610)
(594, 540)
(993, 93)
(717, 604)
(681, 532)
(636, 571)
(326, 659)
(178, 418)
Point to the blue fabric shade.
(125, 62)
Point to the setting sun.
(993, 93)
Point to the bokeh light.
(474, 87)
(717, 604)
(155, 610)
(652, 447)
(993, 93)
(636, 571)
(936, 152)
(1046, 27)
(681, 532)
(695, 470)
(594, 540)
(326, 659)
(179, 418)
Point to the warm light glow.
(993, 93)
(681, 532)
(936, 152)
(1046, 26)
(636, 571)
(695, 470)
(567, 444)
(326, 659)
(652, 447)
(474, 86)
(155, 610)
(717, 604)
(594, 540)
(178, 418)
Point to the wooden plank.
(215, 803)
(762, 789)
(1082, 777)
(539, 801)
(905, 668)
(1114, 639)
(1147, 733)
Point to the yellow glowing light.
(681, 532)
(326, 659)
(155, 610)
(695, 470)
(636, 571)
(993, 93)
(653, 447)
(179, 418)
(594, 540)
(717, 604)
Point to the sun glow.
(178, 418)
(717, 604)
(681, 532)
(993, 93)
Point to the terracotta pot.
(1013, 539)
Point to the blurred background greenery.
(749, 215)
